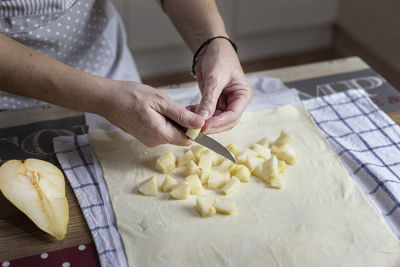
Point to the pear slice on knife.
(37, 188)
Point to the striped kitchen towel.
(368, 144)
(76, 158)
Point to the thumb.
(209, 99)
(181, 115)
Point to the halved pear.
(37, 188)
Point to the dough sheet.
(319, 218)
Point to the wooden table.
(19, 237)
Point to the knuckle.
(180, 116)
(211, 80)
(208, 100)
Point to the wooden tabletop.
(19, 237)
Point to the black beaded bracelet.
(193, 72)
(162, 5)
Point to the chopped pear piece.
(197, 149)
(193, 133)
(149, 187)
(276, 182)
(206, 159)
(274, 149)
(188, 156)
(196, 188)
(224, 206)
(264, 142)
(242, 158)
(216, 180)
(224, 169)
(168, 184)
(224, 165)
(227, 175)
(166, 162)
(204, 174)
(218, 160)
(233, 149)
(287, 154)
(283, 139)
(191, 168)
(268, 170)
(262, 152)
(258, 171)
(37, 188)
(281, 166)
(253, 162)
(241, 172)
(205, 207)
(230, 186)
(181, 191)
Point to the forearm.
(24, 71)
(196, 20)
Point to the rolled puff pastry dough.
(320, 218)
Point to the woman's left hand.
(225, 90)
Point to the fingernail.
(196, 122)
(204, 113)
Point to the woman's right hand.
(142, 111)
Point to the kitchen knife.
(208, 142)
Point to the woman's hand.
(225, 90)
(143, 112)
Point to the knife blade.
(207, 141)
(210, 143)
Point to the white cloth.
(75, 156)
(368, 143)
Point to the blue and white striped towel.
(76, 158)
(368, 143)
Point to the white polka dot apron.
(87, 35)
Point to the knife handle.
(177, 125)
